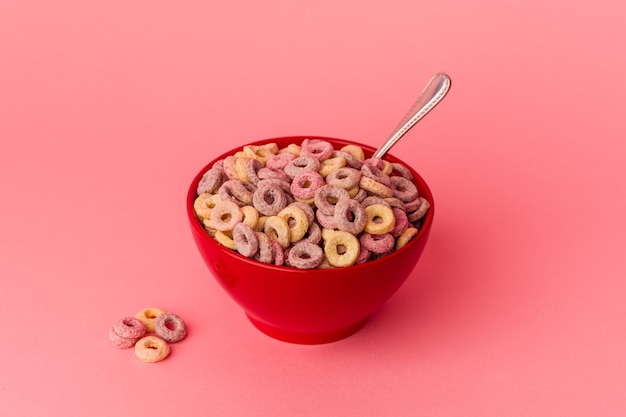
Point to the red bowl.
(309, 306)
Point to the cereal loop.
(302, 163)
(269, 199)
(204, 204)
(403, 189)
(354, 150)
(225, 215)
(380, 219)
(341, 249)
(420, 212)
(225, 239)
(170, 327)
(405, 237)
(305, 255)
(246, 241)
(211, 180)
(316, 148)
(276, 228)
(377, 243)
(327, 196)
(344, 177)
(296, 220)
(266, 251)
(250, 216)
(375, 187)
(147, 316)
(151, 349)
(332, 164)
(129, 328)
(350, 216)
(305, 184)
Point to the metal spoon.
(432, 94)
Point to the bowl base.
(306, 338)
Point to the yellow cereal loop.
(355, 151)
(292, 147)
(151, 349)
(260, 224)
(296, 220)
(374, 187)
(203, 204)
(405, 237)
(229, 167)
(260, 153)
(242, 170)
(277, 229)
(309, 201)
(331, 164)
(147, 316)
(380, 219)
(225, 238)
(352, 192)
(326, 233)
(341, 249)
(271, 147)
(387, 168)
(250, 216)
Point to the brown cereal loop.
(380, 219)
(341, 249)
(403, 189)
(327, 196)
(151, 349)
(269, 199)
(302, 163)
(211, 180)
(420, 212)
(266, 251)
(147, 316)
(350, 216)
(170, 327)
(296, 220)
(246, 241)
(305, 255)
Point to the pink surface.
(108, 109)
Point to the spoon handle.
(432, 94)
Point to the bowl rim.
(424, 190)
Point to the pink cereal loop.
(345, 177)
(316, 148)
(266, 252)
(420, 212)
(377, 243)
(252, 170)
(279, 162)
(279, 253)
(305, 184)
(402, 222)
(211, 180)
(225, 215)
(402, 170)
(237, 191)
(129, 328)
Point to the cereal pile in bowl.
(309, 205)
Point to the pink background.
(108, 109)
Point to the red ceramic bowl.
(309, 306)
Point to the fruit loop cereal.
(150, 332)
(309, 205)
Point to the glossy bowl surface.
(309, 306)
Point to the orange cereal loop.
(151, 349)
(406, 237)
(147, 317)
(374, 187)
(380, 219)
(225, 238)
(355, 151)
